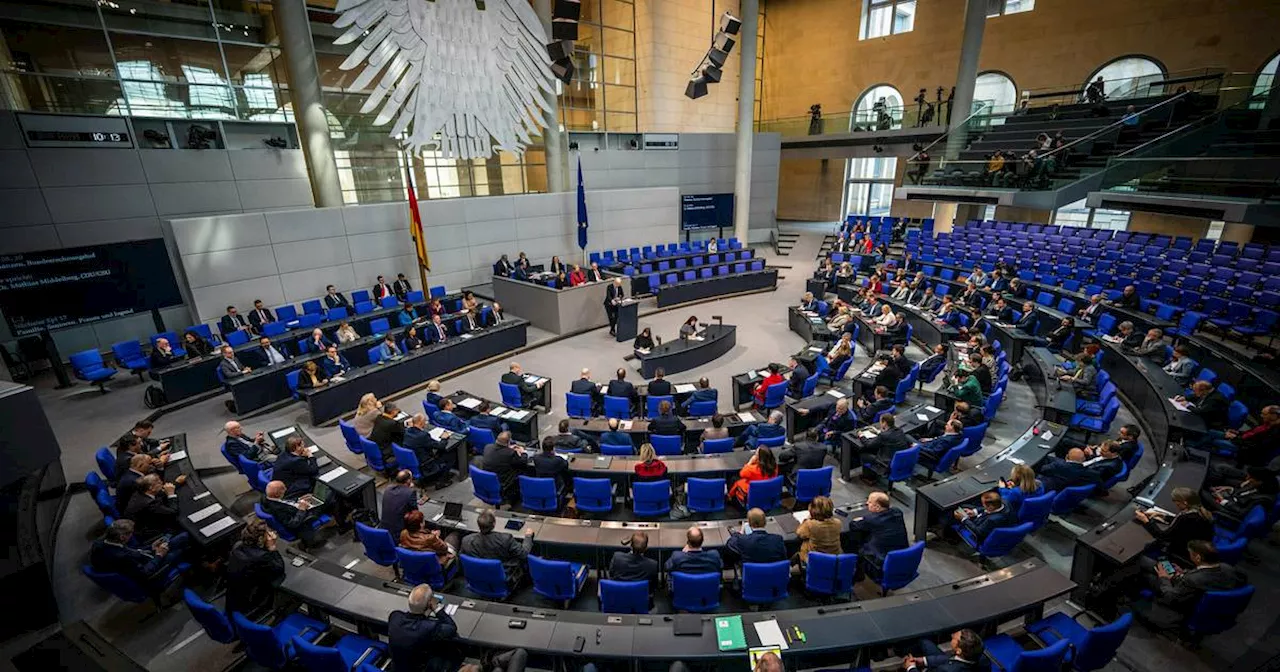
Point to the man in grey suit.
(230, 366)
(490, 545)
(1181, 368)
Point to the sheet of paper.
(180, 455)
(753, 375)
(465, 336)
(323, 461)
(217, 526)
(801, 516)
(451, 608)
(643, 351)
(518, 415)
(204, 513)
(498, 411)
(438, 433)
(835, 393)
(281, 433)
(625, 425)
(312, 450)
(470, 402)
(922, 417)
(685, 388)
(329, 476)
(1046, 435)
(764, 373)
(770, 634)
(336, 379)
(932, 409)
(818, 350)
(746, 416)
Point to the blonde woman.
(841, 351)
(368, 410)
(1190, 521)
(821, 532)
(649, 468)
(886, 318)
(346, 333)
(846, 270)
(843, 315)
(1020, 485)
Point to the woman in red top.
(762, 466)
(650, 468)
(577, 277)
(773, 378)
(875, 284)
(867, 245)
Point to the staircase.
(784, 242)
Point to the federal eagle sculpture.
(456, 76)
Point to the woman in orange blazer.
(762, 466)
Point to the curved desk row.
(1148, 390)
(681, 354)
(832, 633)
(638, 428)
(923, 327)
(200, 514)
(809, 326)
(385, 378)
(706, 288)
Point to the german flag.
(415, 221)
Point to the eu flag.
(582, 209)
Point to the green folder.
(729, 633)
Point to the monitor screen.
(62, 288)
(706, 211)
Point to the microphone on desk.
(719, 319)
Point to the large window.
(869, 185)
(995, 93)
(1077, 214)
(1266, 76)
(999, 7)
(601, 97)
(879, 107)
(1130, 77)
(887, 17)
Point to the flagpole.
(408, 174)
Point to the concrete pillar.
(975, 22)
(552, 138)
(750, 16)
(308, 108)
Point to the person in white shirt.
(269, 353)
(886, 318)
(1181, 367)
(347, 333)
(713, 246)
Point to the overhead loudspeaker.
(563, 69)
(712, 74)
(564, 30)
(724, 43)
(561, 50)
(697, 88)
(568, 9)
(717, 57)
(730, 23)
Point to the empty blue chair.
(765, 495)
(362, 307)
(1069, 498)
(698, 593)
(651, 499)
(236, 338)
(312, 307)
(593, 494)
(705, 494)
(407, 459)
(948, 460)
(479, 437)
(348, 653)
(667, 445)
(900, 467)
(211, 618)
(1006, 653)
(712, 446)
(375, 354)
(765, 582)
(106, 463)
(1091, 649)
(617, 449)
(88, 366)
(373, 455)
(118, 585)
(129, 355)
(624, 597)
(280, 529)
(1217, 611)
(416, 296)
(1036, 510)
(350, 436)
(828, 574)
(899, 569)
(975, 435)
(577, 405)
(557, 580)
(511, 395)
(485, 577)
(1236, 414)
(811, 483)
(438, 291)
(420, 567)
(539, 494)
(378, 544)
(271, 646)
(274, 328)
(380, 326)
(617, 407)
(485, 486)
(772, 441)
(335, 314)
(389, 302)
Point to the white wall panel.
(212, 301)
(370, 246)
(308, 284)
(86, 166)
(165, 165)
(443, 238)
(81, 234)
(376, 217)
(82, 204)
(23, 207)
(226, 266)
(315, 253)
(268, 164)
(286, 226)
(184, 198)
(367, 272)
(488, 232)
(492, 208)
(538, 205)
(220, 232)
(262, 194)
(443, 212)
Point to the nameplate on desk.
(835, 393)
(323, 460)
(465, 336)
(200, 496)
(217, 526)
(329, 476)
(180, 455)
(818, 350)
(518, 415)
(281, 433)
(204, 513)
(533, 380)
(922, 417)
(470, 403)
(933, 409)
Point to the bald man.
(294, 516)
(1059, 474)
(528, 391)
(422, 639)
(1208, 403)
(693, 559)
(238, 444)
(876, 533)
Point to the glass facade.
(220, 59)
(881, 18)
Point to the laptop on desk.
(452, 515)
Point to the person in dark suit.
(704, 392)
(1190, 521)
(936, 447)
(1108, 462)
(153, 508)
(840, 420)
(883, 401)
(992, 516)
(490, 545)
(967, 655)
(507, 462)
(631, 564)
(613, 437)
(428, 451)
(233, 321)
(1128, 336)
(254, 569)
(162, 355)
(528, 391)
(898, 359)
(397, 500)
(424, 638)
(503, 267)
(889, 376)
(979, 370)
(239, 444)
(876, 534)
(116, 554)
(496, 315)
(546, 464)
(472, 321)
(1059, 474)
(998, 282)
(446, 418)
(593, 273)
(666, 424)
(1128, 298)
(334, 299)
(1057, 339)
(296, 468)
(882, 447)
(260, 315)
(401, 287)
(387, 430)
(436, 332)
(484, 420)
(693, 559)
(230, 366)
(1176, 595)
(126, 447)
(1027, 323)
(621, 387)
(999, 311)
(381, 290)
(1258, 488)
(799, 374)
(807, 454)
(584, 385)
(138, 466)
(268, 354)
(296, 517)
(659, 387)
(1208, 403)
(754, 543)
(773, 427)
(613, 297)
(333, 363)
(1093, 310)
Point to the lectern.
(627, 320)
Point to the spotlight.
(729, 23)
(696, 88)
(564, 30)
(712, 74)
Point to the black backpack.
(153, 397)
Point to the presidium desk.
(684, 354)
(559, 311)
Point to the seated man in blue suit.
(238, 443)
(613, 437)
(704, 393)
(883, 401)
(425, 637)
(877, 533)
(840, 420)
(967, 655)
(1029, 319)
(296, 469)
(753, 543)
(389, 349)
(417, 437)
(333, 363)
(951, 437)
(1108, 463)
(1059, 474)
(445, 418)
(436, 332)
(483, 420)
(982, 522)
(113, 554)
(799, 374)
(693, 559)
(762, 430)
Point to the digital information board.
(705, 211)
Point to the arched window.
(867, 115)
(1266, 76)
(995, 92)
(1130, 77)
